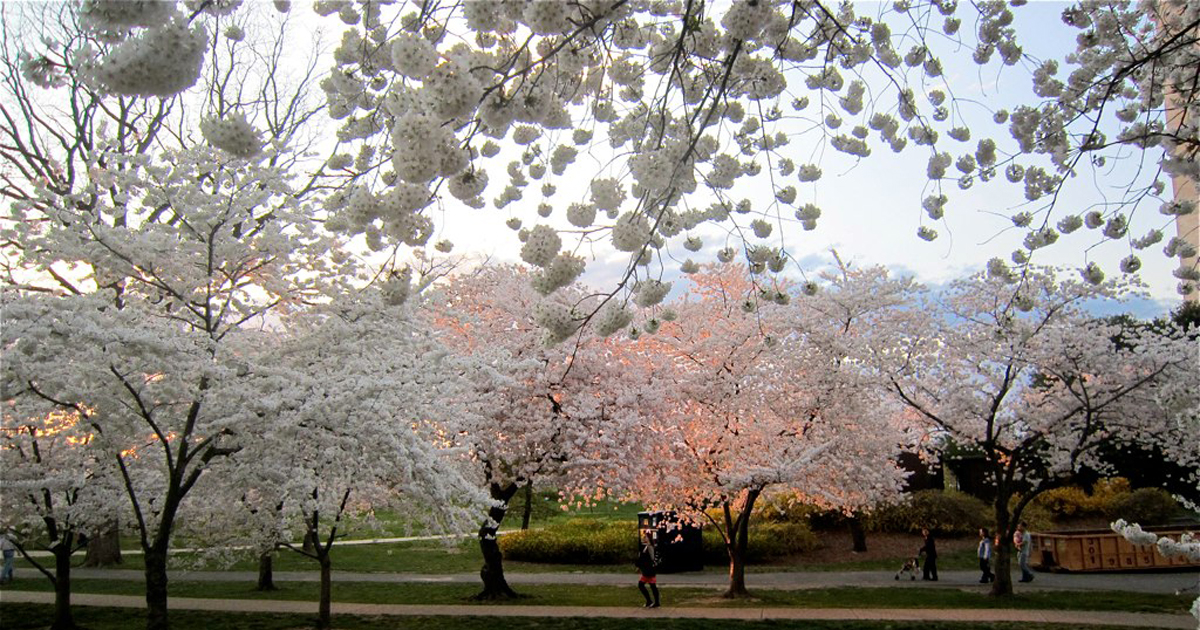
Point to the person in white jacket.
(985, 557)
(10, 555)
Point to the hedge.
(587, 541)
(577, 541)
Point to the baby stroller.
(911, 566)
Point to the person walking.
(985, 557)
(929, 549)
(647, 563)
(9, 550)
(1024, 545)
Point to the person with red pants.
(646, 563)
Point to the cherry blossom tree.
(152, 349)
(702, 121)
(346, 416)
(58, 112)
(759, 400)
(60, 117)
(685, 106)
(55, 492)
(1015, 369)
(567, 415)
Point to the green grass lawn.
(593, 595)
(30, 616)
(463, 556)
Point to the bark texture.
(492, 574)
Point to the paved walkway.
(1074, 618)
(1166, 583)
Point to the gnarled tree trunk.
(492, 573)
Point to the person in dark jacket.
(929, 549)
(647, 562)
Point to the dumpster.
(679, 544)
(1096, 550)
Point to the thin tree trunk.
(324, 618)
(63, 619)
(857, 533)
(266, 574)
(528, 506)
(156, 587)
(492, 573)
(104, 549)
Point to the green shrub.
(576, 541)
(768, 541)
(1074, 502)
(1108, 490)
(1148, 506)
(783, 508)
(590, 541)
(1037, 517)
(1068, 502)
(941, 512)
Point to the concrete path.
(1073, 618)
(1166, 583)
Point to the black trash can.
(679, 544)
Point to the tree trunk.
(63, 619)
(1003, 555)
(737, 570)
(309, 544)
(736, 542)
(266, 577)
(324, 618)
(858, 534)
(528, 506)
(104, 549)
(1002, 585)
(492, 573)
(156, 587)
